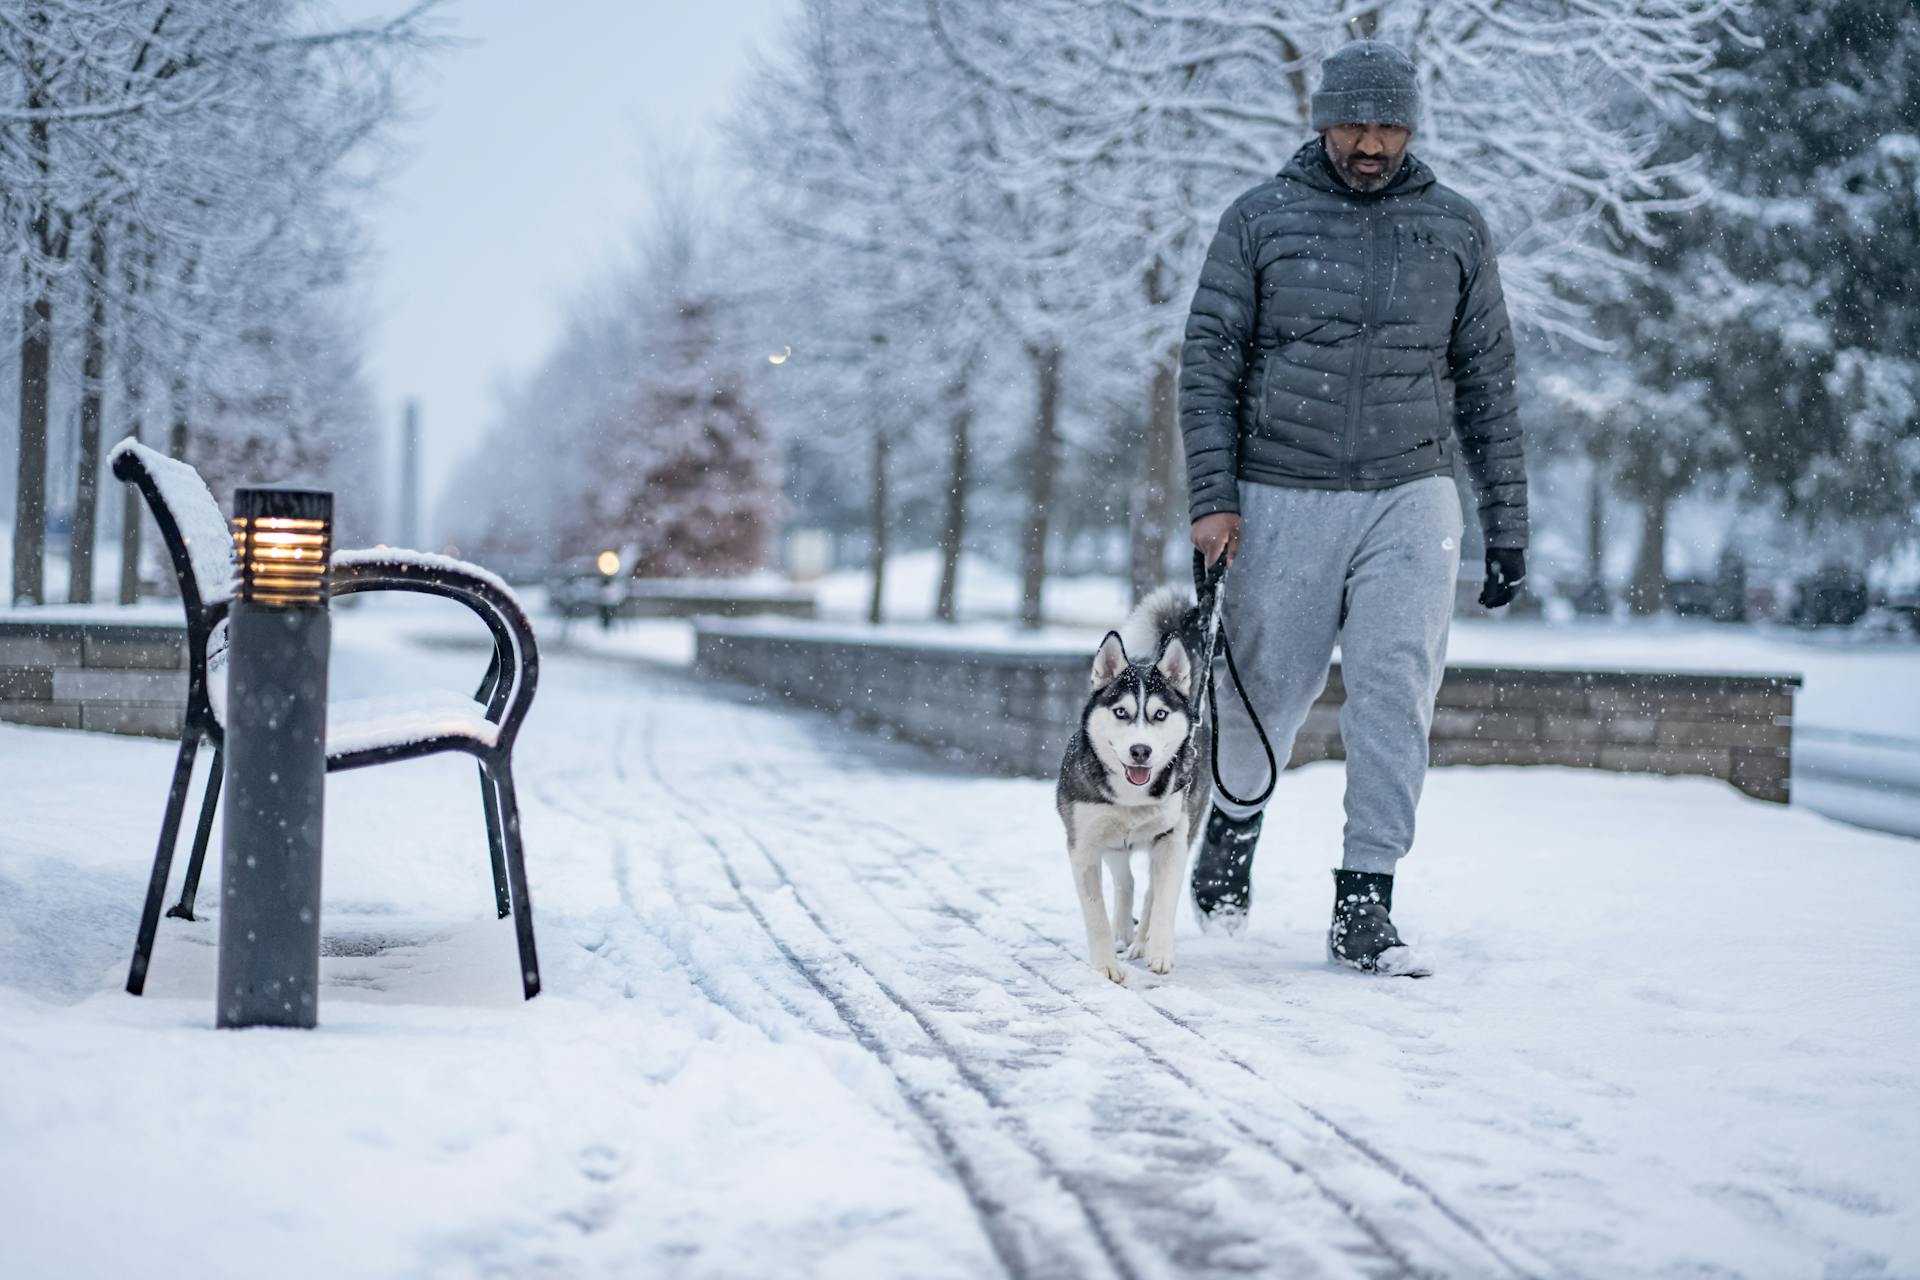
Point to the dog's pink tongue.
(1138, 777)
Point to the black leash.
(1206, 590)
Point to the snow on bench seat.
(362, 724)
(388, 720)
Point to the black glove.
(1506, 566)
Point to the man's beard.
(1362, 181)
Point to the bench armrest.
(515, 669)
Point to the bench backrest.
(197, 537)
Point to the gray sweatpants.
(1375, 572)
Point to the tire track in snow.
(1010, 1249)
(698, 978)
(1371, 1250)
(819, 979)
(1372, 1154)
(930, 856)
(1377, 1241)
(593, 815)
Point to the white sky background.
(522, 179)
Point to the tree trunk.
(1648, 593)
(133, 395)
(130, 504)
(179, 439)
(1040, 473)
(875, 603)
(1150, 515)
(86, 487)
(953, 530)
(30, 494)
(177, 429)
(1596, 523)
(36, 347)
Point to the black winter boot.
(1223, 873)
(1362, 935)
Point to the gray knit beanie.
(1366, 82)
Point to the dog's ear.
(1110, 661)
(1177, 667)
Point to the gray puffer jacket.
(1343, 341)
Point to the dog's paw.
(1139, 947)
(1159, 959)
(1123, 937)
(1110, 967)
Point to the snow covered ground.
(987, 591)
(815, 1006)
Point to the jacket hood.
(1311, 166)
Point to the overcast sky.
(522, 179)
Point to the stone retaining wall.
(110, 677)
(674, 598)
(1012, 711)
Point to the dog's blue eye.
(1121, 712)
(1161, 714)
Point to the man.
(1347, 339)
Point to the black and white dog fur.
(1134, 777)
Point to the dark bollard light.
(276, 759)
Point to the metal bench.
(360, 732)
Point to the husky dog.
(1134, 777)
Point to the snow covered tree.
(1060, 165)
(858, 156)
(1813, 251)
(197, 153)
(1767, 331)
(641, 430)
(687, 482)
(287, 400)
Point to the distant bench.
(109, 676)
(1011, 709)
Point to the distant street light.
(609, 563)
(780, 356)
(279, 635)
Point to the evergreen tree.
(1813, 261)
(689, 484)
(1771, 333)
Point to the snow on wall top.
(980, 637)
(1649, 650)
(202, 527)
(146, 615)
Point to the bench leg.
(162, 863)
(517, 875)
(209, 803)
(496, 849)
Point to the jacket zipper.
(1368, 320)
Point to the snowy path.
(1170, 1155)
(815, 1006)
